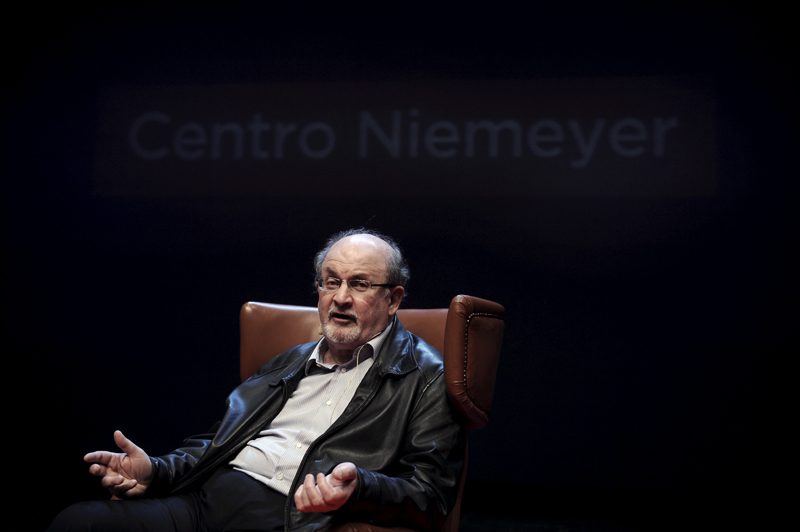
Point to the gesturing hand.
(127, 473)
(328, 493)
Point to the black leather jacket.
(399, 429)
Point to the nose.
(343, 295)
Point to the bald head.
(397, 273)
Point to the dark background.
(643, 373)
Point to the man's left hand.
(328, 493)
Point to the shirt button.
(328, 402)
(343, 370)
(279, 476)
(298, 445)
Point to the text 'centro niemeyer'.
(155, 136)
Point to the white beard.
(341, 335)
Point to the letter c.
(133, 136)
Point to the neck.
(337, 356)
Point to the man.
(356, 427)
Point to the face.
(349, 318)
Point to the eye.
(360, 285)
(331, 283)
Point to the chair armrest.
(473, 336)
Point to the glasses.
(330, 284)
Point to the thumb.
(125, 445)
(345, 471)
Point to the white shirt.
(274, 456)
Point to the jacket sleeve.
(171, 468)
(423, 489)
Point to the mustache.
(336, 310)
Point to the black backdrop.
(645, 336)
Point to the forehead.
(360, 254)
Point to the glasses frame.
(339, 283)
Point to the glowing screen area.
(581, 136)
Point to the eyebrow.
(332, 273)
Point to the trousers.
(229, 501)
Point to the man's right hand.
(125, 474)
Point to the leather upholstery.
(468, 334)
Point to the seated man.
(356, 427)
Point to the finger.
(298, 499)
(327, 492)
(98, 470)
(311, 492)
(335, 495)
(344, 472)
(301, 499)
(121, 489)
(111, 482)
(100, 457)
(321, 501)
(332, 496)
(126, 445)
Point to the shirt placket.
(324, 401)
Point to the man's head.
(351, 317)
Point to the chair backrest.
(468, 334)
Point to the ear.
(395, 298)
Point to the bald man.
(355, 427)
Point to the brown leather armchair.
(468, 334)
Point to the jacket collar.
(397, 352)
(396, 355)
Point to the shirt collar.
(364, 352)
